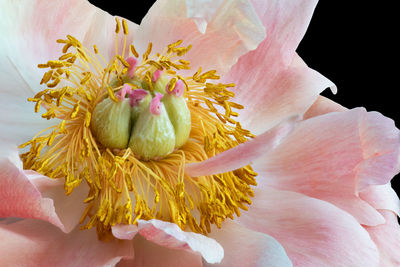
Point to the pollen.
(123, 187)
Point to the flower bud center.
(151, 123)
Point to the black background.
(352, 44)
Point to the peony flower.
(246, 164)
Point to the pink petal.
(169, 235)
(387, 239)
(272, 82)
(219, 31)
(268, 97)
(20, 198)
(68, 208)
(333, 156)
(32, 28)
(382, 197)
(149, 254)
(39, 198)
(37, 243)
(243, 154)
(246, 248)
(322, 106)
(312, 232)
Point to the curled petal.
(44, 245)
(21, 199)
(334, 156)
(169, 235)
(243, 154)
(312, 232)
(27, 194)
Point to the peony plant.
(197, 138)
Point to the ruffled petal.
(30, 39)
(219, 31)
(333, 156)
(243, 154)
(169, 235)
(312, 232)
(322, 106)
(36, 243)
(387, 239)
(26, 194)
(246, 248)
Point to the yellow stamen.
(133, 50)
(123, 188)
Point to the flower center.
(127, 129)
(139, 120)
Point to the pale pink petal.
(27, 194)
(270, 98)
(68, 208)
(246, 248)
(380, 140)
(21, 199)
(322, 106)
(312, 232)
(31, 28)
(382, 197)
(333, 156)
(169, 235)
(219, 31)
(387, 239)
(243, 154)
(36, 243)
(149, 254)
(272, 82)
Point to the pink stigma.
(126, 89)
(136, 96)
(132, 65)
(156, 75)
(178, 89)
(155, 104)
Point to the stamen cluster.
(123, 185)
